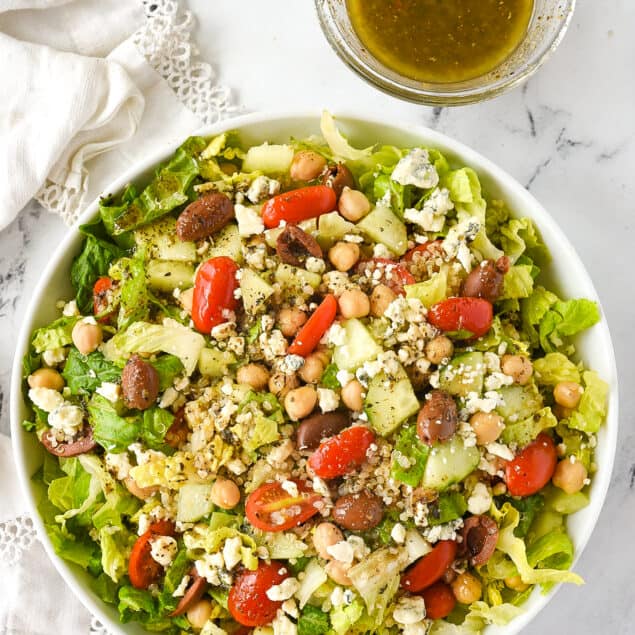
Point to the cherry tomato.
(214, 293)
(298, 205)
(462, 314)
(342, 453)
(424, 249)
(101, 297)
(248, 602)
(394, 275)
(533, 468)
(143, 569)
(431, 567)
(272, 508)
(439, 600)
(311, 333)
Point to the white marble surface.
(568, 135)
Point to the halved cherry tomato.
(474, 315)
(342, 453)
(439, 600)
(248, 602)
(143, 569)
(394, 275)
(422, 249)
(311, 333)
(298, 205)
(214, 293)
(533, 468)
(101, 297)
(272, 508)
(431, 567)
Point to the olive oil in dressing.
(440, 41)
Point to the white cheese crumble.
(480, 500)
(291, 363)
(262, 187)
(409, 610)
(344, 377)
(290, 487)
(282, 625)
(447, 531)
(490, 401)
(416, 169)
(179, 592)
(500, 450)
(415, 629)
(381, 251)
(54, 356)
(283, 591)
(163, 549)
(70, 309)
(249, 221)
(342, 551)
(232, 553)
(336, 335)
(109, 390)
(46, 399)
(68, 418)
(118, 464)
(315, 265)
(431, 217)
(398, 533)
(168, 398)
(328, 399)
(455, 243)
(497, 380)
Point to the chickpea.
(199, 613)
(280, 384)
(499, 489)
(380, 299)
(344, 255)
(439, 349)
(299, 402)
(570, 475)
(561, 412)
(312, 369)
(567, 394)
(225, 493)
(518, 367)
(516, 583)
(46, 378)
(487, 426)
(87, 337)
(354, 303)
(326, 535)
(256, 375)
(467, 588)
(186, 298)
(306, 165)
(338, 572)
(140, 492)
(353, 204)
(353, 395)
(290, 320)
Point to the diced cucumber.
(331, 228)
(161, 242)
(215, 363)
(464, 374)
(563, 503)
(382, 226)
(271, 236)
(449, 463)
(227, 242)
(519, 402)
(194, 502)
(389, 402)
(255, 290)
(167, 275)
(358, 347)
(546, 522)
(271, 159)
(430, 291)
(295, 278)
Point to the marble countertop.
(568, 135)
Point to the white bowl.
(567, 274)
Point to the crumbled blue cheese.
(68, 418)
(337, 281)
(179, 592)
(490, 401)
(344, 377)
(232, 554)
(315, 265)
(341, 551)
(236, 344)
(456, 242)
(210, 566)
(431, 217)
(381, 251)
(54, 357)
(480, 500)
(416, 169)
(336, 335)
(262, 187)
(283, 591)
(163, 549)
(328, 399)
(168, 398)
(409, 610)
(398, 533)
(109, 390)
(500, 450)
(249, 221)
(272, 344)
(70, 309)
(497, 380)
(290, 487)
(46, 399)
(291, 363)
(290, 608)
(446, 531)
(118, 464)
(282, 625)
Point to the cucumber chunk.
(358, 346)
(194, 502)
(295, 278)
(449, 463)
(255, 291)
(463, 374)
(382, 226)
(389, 402)
(519, 402)
(227, 242)
(167, 275)
(161, 242)
(271, 159)
(215, 363)
(331, 228)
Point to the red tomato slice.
(272, 508)
(214, 293)
(424, 249)
(342, 453)
(474, 315)
(533, 468)
(248, 602)
(143, 569)
(298, 205)
(101, 297)
(310, 334)
(431, 567)
(439, 600)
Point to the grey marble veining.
(568, 135)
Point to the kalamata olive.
(480, 535)
(177, 433)
(193, 594)
(294, 246)
(358, 512)
(338, 176)
(204, 217)
(139, 383)
(486, 280)
(83, 443)
(314, 429)
(437, 419)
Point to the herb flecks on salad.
(306, 388)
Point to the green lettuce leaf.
(56, 335)
(430, 291)
(554, 368)
(112, 431)
(180, 566)
(410, 450)
(134, 300)
(83, 374)
(314, 577)
(449, 506)
(565, 319)
(523, 432)
(168, 368)
(155, 423)
(313, 621)
(528, 507)
(343, 617)
(576, 443)
(500, 615)
(115, 550)
(591, 411)
(339, 145)
(520, 237)
(517, 283)
(329, 377)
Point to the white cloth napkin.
(89, 88)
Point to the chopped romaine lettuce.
(591, 411)
(314, 577)
(168, 367)
(500, 615)
(517, 283)
(449, 506)
(56, 335)
(343, 617)
(520, 237)
(113, 432)
(430, 291)
(313, 621)
(554, 368)
(409, 457)
(83, 374)
(523, 432)
(564, 319)
(340, 147)
(115, 551)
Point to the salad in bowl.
(307, 388)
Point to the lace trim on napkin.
(16, 536)
(165, 40)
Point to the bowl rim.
(472, 158)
